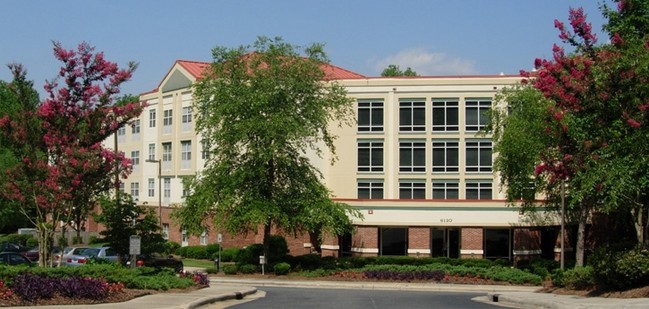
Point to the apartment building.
(416, 165)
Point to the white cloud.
(426, 63)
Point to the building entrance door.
(445, 242)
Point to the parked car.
(32, 254)
(6, 246)
(82, 255)
(158, 260)
(14, 258)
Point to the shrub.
(5, 292)
(282, 269)
(620, 269)
(78, 287)
(579, 278)
(198, 277)
(230, 269)
(95, 240)
(33, 287)
(250, 254)
(306, 262)
(229, 254)
(171, 247)
(248, 269)
(196, 252)
(212, 251)
(211, 270)
(25, 240)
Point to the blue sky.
(433, 37)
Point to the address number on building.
(446, 220)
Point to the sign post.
(134, 248)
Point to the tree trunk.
(641, 225)
(267, 239)
(581, 236)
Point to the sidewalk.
(224, 288)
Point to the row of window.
(167, 155)
(412, 156)
(167, 121)
(416, 189)
(412, 115)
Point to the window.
(121, 131)
(185, 237)
(446, 189)
(446, 156)
(135, 126)
(370, 189)
(370, 156)
(185, 154)
(393, 241)
(167, 121)
(477, 114)
(498, 244)
(121, 187)
(165, 231)
(135, 157)
(445, 115)
(203, 238)
(412, 156)
(412, 115)
(151, 187)
(445, 242)
(135, 190)
(478, 190)
(205, 151)
(151, 151)
(166, 156)
(478, 156)
(152, 118)
(412, 189)
(186, 189)
(370, 115)
(167, 188)
(187, 118)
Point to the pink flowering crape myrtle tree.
(599, 117)
(65, 166)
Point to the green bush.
(212, 251)
(229, 254)
(196, 252)
(282, 269)
(306, 262)
(250, 254)
(171, 247)
(211, 270)
(579, 278)
(620, 269)
(248, 269)
(25, 240)
(231, 269)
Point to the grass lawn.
(198, 263)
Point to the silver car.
(82, 255)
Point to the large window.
(152, 118)
(167, 188)
(185, 154)
(393, 241)
(370, 189)
(370, 115)
(135, 190)
(445, 115)
(498, 244)
(370, 156)
(479, 190)
(478, 156)
(205, 151)
(167, 121)
(445, 242)
(412, 156)
(135, 126)
(166, 156)
(446, 156)
(412, 189)
(187, 118)
(446, 189)
(165, 231)
(135, 157)
(151, 188)
(477, 114)
(151, 151)
(412, 115)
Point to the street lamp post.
(159, 187)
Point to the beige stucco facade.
(416, 164)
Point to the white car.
(82, 255)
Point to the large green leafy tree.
(16, 96)
(261, 109)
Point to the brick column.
(366, 241)
(419, 241)
(472, 243)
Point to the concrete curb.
(212, 299)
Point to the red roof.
(196, 68)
